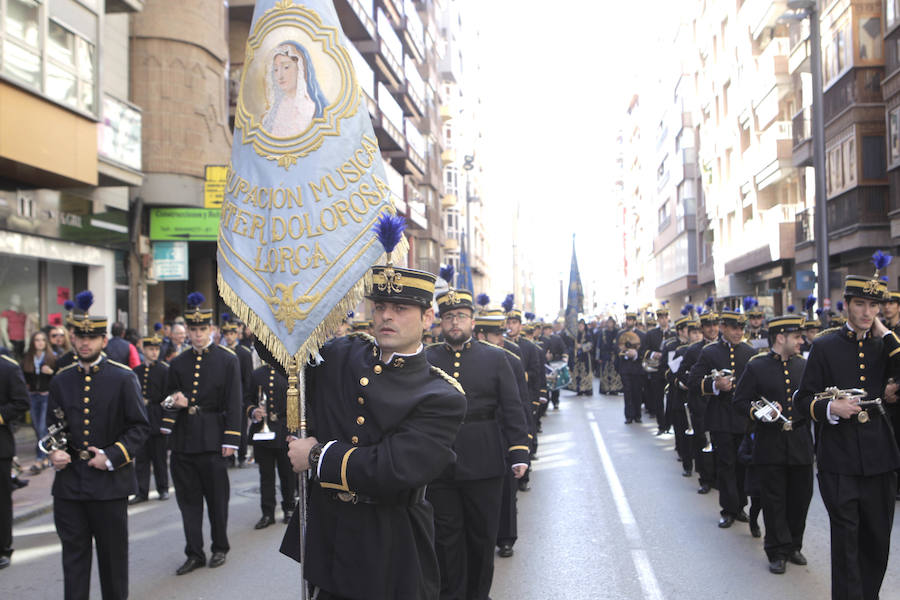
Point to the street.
(609, 516)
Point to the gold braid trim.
(449, 379)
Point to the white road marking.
(649, 584)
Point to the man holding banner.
(304, 191)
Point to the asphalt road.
(609, 516)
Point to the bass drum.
(558, 375)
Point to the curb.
(37, 511)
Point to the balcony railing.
(858, 86)
(801, 126)
(805, 226)
(861, 205)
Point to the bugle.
(264, 434)
(690, 423)
(768, 412)
(709, 445)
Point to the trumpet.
(709, 446)
(650, 364)
(716, 373)
(834, 393)
(690, 423)
(768, 412)
(57, 438)
(265, 433)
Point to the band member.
(270, 451)
(13, 406)
(554, 350)
(755, 335)
(153, 375)
(890, 311)
(811, 328)
(856, 452)
(783, 448)
(231, 340)
(537, 376)
(674, 350)
(383, 421)
(725, 423)
(493, 439)
(656, 383)
(203, 411)
(99, 402)
(632, 346)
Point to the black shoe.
(217, 559)
(163, 495)
(533, 457)
(505, 551)
(742, 517)
(189, 565)
(628, 421)
(704, 489)
(287, 516)
(638, 421)
(523, 486)
(661, 432)
(726, 522)
(556, 407)
(4, 562)
(687, 473)
(797, 558)
(18, 483)
(777, 566)
(754, 530)
(137, 500)
(263, 522)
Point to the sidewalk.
(34, 499)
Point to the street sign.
(806, 280)
(188, 224)
(170, 261)
(214, 186)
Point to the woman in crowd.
(39, 365)
(610, 382)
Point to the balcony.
(384, 53)
(389, 122)
(393, 10)
(762, 15)
(774, 154)
(448, 201)
(409, 160)
(801, 135)
(124, 6)
(356, 19)
(451, 244)
(773, 73)
(857, 86)
(445, 113)
(413, 33)
(859, 207)
(448, 156)
(411, 91)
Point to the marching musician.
(856, 452)
(632, 346)
(783, 447)
(231, 340)
(554, 350)
(153, 375)
(202, 410)
(755, 334)
(686, 327)
(656, 384)
(98, 402)
(13, 406)
(535, 376)
(382, 423)
(725, 423)
(270, 451)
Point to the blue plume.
(881, 260)
(195, 299)
(810, 302)
(157, 327)
(748, 303)
(664, 302)
(840, 306)
(685, 311)
(350, 314)
(389, 230)
(68, 305)
(884, 278)
(447, 274)
(625, 306)
(819, 311)
(529, 316)
(690, 307)
(483, 300)
(791, 308)
(226, 318)
(84, 300)
(710, 302)
(507, 303)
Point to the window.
(663, 215)
(841, 165)
(870, 39)
(873, 158)
(835, 50)
(893, 136)
(46, 55)
(891, 12)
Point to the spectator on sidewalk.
(39, 365)
(13, 404)
(118, 349)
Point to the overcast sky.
(555, 81)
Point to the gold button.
(377, 369)
(87, 377)
(787, 380)
(456, 364)
(862, 366)
(457, 355)
(196, 383)
(361, 400)
(87, 411)
(87, 388)
(456, 375)
(360, 420)
(862, 377)
(199, 358)
(196, 375)
(861, 355)
(86, 400)
(786, 373)
(87, 421)
(86, 432)
(364, 381)
(355, 440)
(84, 443)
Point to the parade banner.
(575, 301)
(305, 185)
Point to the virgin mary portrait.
(293, 95)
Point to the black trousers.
(633, 387)
(656, 387)
(466, 518)
(683, 442)
(200, 477)
(83, 523)
(269, 459)
(785, 491)
(554, 399)
(508, 531)
(154, 452)
(729, 472)
(242, 447)
(6, 512)
(704, 462)
(861, 511)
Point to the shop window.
(19, 305)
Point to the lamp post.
(468, 165)
(809, 9)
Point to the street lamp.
(809, 9)
(468, 165)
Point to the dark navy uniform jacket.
(393, 427)
(840, 358)
(720, 413)
(776, 380)
(211, 380)
(153, 377)
(102, 406)
(494, 434)
(514, 355)
(629, 366)
(13, 403)
(656, 339)
(274, 383)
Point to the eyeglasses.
(456, 317)
(56, 335)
